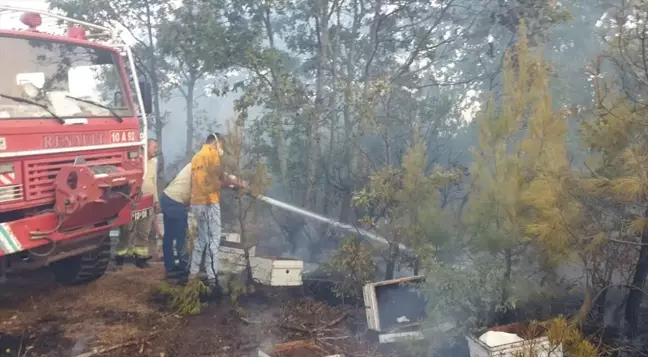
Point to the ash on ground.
(116, 314)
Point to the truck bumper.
(40, 234)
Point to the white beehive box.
(274, 271)
(535, 345)
(231, 237)
(232, 254)
(271, 271)
(394, 308)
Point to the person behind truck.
(134, 237)
(175, 202)
(207, 176)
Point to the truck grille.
(40, 174)
(11, 193)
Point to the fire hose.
(323, 219)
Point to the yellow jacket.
(206, 176)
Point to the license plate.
(137, 215)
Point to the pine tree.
(504, 162)
(408, 197)
(616, 139)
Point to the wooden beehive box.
(277, 271)
(269, 271)
(394, 309)
(534, 343)
(232, 254)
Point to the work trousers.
(174, 216)
(133, 238)
(207, 240)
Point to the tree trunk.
(391, 262)
(508, 254)
(635, 296)
(506, 286)
(346, 212)
(329, 196)
(282, 157)
(189, 146)
(322, 31)
(155, 87)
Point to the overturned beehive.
(395, 308)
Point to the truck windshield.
(53, 74)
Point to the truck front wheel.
(84, 268)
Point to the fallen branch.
(332, 323)
(295, 328)
(332, 338)
(315, 330)
(247, 321)
(119, 346)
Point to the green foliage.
(235, 287)
(463, 298)
(408, 194)
(525, 190)
(502, 164)
(562, 330)
(408, 197)
(354, 262)
(520, 199)
(201, 39)
(184, 300)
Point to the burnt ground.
(117, 316)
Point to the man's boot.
(114, 265)
(142, 262)
(119, 262)
(216, 292)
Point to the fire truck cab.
(72, 146)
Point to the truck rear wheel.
(84, 268)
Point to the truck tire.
(84, 268)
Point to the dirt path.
(39, 318)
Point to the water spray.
(334, 223)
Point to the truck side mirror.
(147, 96)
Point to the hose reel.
(87, 194)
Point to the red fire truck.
(71, 149)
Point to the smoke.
(80, 346)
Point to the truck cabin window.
(40, 77)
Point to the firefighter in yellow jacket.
(133, 240)
(207, 176)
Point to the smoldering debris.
(303, 348)
(322, 329)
